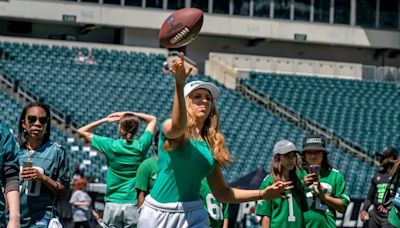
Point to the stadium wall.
(233, 26)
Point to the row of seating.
(90, 92)
(363, 112)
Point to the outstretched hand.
(276, 190)
(179, 70)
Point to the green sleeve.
(143, 177)
(10, 154)
(9, 149)
(340, 192)
(264, 207)
(102, 144)
(145, 141)
(63, 174)
(226, 211)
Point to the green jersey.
(319, 214)
(394, 216)
(217, 211)
(123, 160)
(147, 175)
(181, 170)
(8, 156)
(36, 199)
(282, 212)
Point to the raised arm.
(86, 131)
(226, 194)
(176, 126)
(150, 119)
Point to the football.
(181, 27)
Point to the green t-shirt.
(217, 211)
(282, 212)
(8, 156)
(319, 214)
(181, 170)
(394, 217)
(36, 199)
(147, 174)
(123, 160)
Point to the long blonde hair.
(210, 132)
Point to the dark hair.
(325, 161)
(155, 140)
(129, 123)
(22, 135)
(277, 173)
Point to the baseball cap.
(314, 142)
(284, 147)
(191, 86)
(388, 151)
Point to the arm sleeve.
(73, 198)
(145, 142)
(64, 176)
(103, 145)
(11, 162)
(226, 211)
(142, 178)
(264, 207)
(340, 192)
(370, 196)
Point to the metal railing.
(302, 122)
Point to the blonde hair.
(210, 132)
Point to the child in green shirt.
(288, 211)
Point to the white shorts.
(120, 215)
(180, 214)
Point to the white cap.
(190, 86)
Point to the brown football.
(181, 27)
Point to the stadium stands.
(134, 81)
(364, 112)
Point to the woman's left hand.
(30, 173)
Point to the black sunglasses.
(33, 119)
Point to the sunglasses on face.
(33, 119)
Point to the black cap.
(389, 151)
(314, 142)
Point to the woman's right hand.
(309, 179)
(178, 69)
(276, 190)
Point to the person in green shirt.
(191, 147)
(123, 157)
(45, 174)
(288, 211)
(391, 197)
(325, 186)
(218, 213)
(9, 178)
(147, 174)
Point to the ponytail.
(129, 123)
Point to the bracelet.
(259, 194)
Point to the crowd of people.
(182, 184)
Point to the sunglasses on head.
(33, 119)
